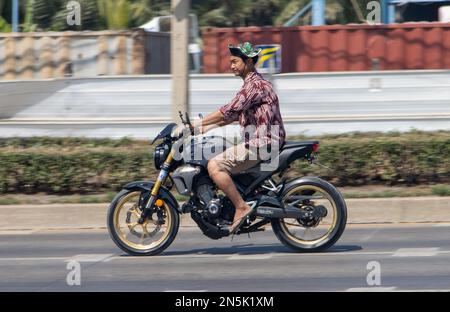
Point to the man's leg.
(224, 182)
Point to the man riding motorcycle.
(256, 104)
(307, 214)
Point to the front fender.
(147, 186)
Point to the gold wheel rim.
(131, 228)
(332, 222)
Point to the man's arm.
(212, 121)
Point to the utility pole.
(387, 12)
(180, 57)
(318, 12)
(15, 15)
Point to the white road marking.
(90, 257)
(162, 257)
(442, 225)
(422, 290)
(371, 289)
(416, 252)
(16, 232)
(372, 234)
(267, 256)
(34, 259)
(186, 290)
(405, 252)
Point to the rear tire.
(120, 238)
(338, 223)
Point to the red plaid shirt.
(256, 104)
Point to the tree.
(228, 13)
(115, 14)
(124, 14)
(4, 26)
(28, 20)
(290, 9)
(144, 10)
(43, 12)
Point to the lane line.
(371, 235)
(186, 290)
(17, 232)
(371, 289)
(442, 225)
(422, 290)
(416, 252)
(34, 259)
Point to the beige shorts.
(236, 159)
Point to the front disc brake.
(137, 213)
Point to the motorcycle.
(307, 214)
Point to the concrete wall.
(25, 56)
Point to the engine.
(216, 209)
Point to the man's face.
(237, 65)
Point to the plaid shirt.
(256, 104)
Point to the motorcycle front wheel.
(147, 239)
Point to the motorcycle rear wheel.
(292, 232)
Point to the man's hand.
(211, 121)
(179, 130)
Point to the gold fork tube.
(163, 174)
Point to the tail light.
(315, 148)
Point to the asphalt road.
(410, 257)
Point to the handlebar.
(187, 122)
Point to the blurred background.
(85, 84)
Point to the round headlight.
(160, 155)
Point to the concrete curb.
(88, 216)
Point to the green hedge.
(388, 162)
(64, 166)
(85, 172)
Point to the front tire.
(148, 239)
(332, 226)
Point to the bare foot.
(239, 216)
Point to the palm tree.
(43, 12)
(337, 11)
(28, 19)
(144, 10)
(4, 26)
(290, 8)
(115, 14)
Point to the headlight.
(160, 155)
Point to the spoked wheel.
(327, 220)
(149, 238)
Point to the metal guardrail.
(312, 103)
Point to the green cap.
(245, 49)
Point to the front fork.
(155, 190)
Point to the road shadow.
(251, 249)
